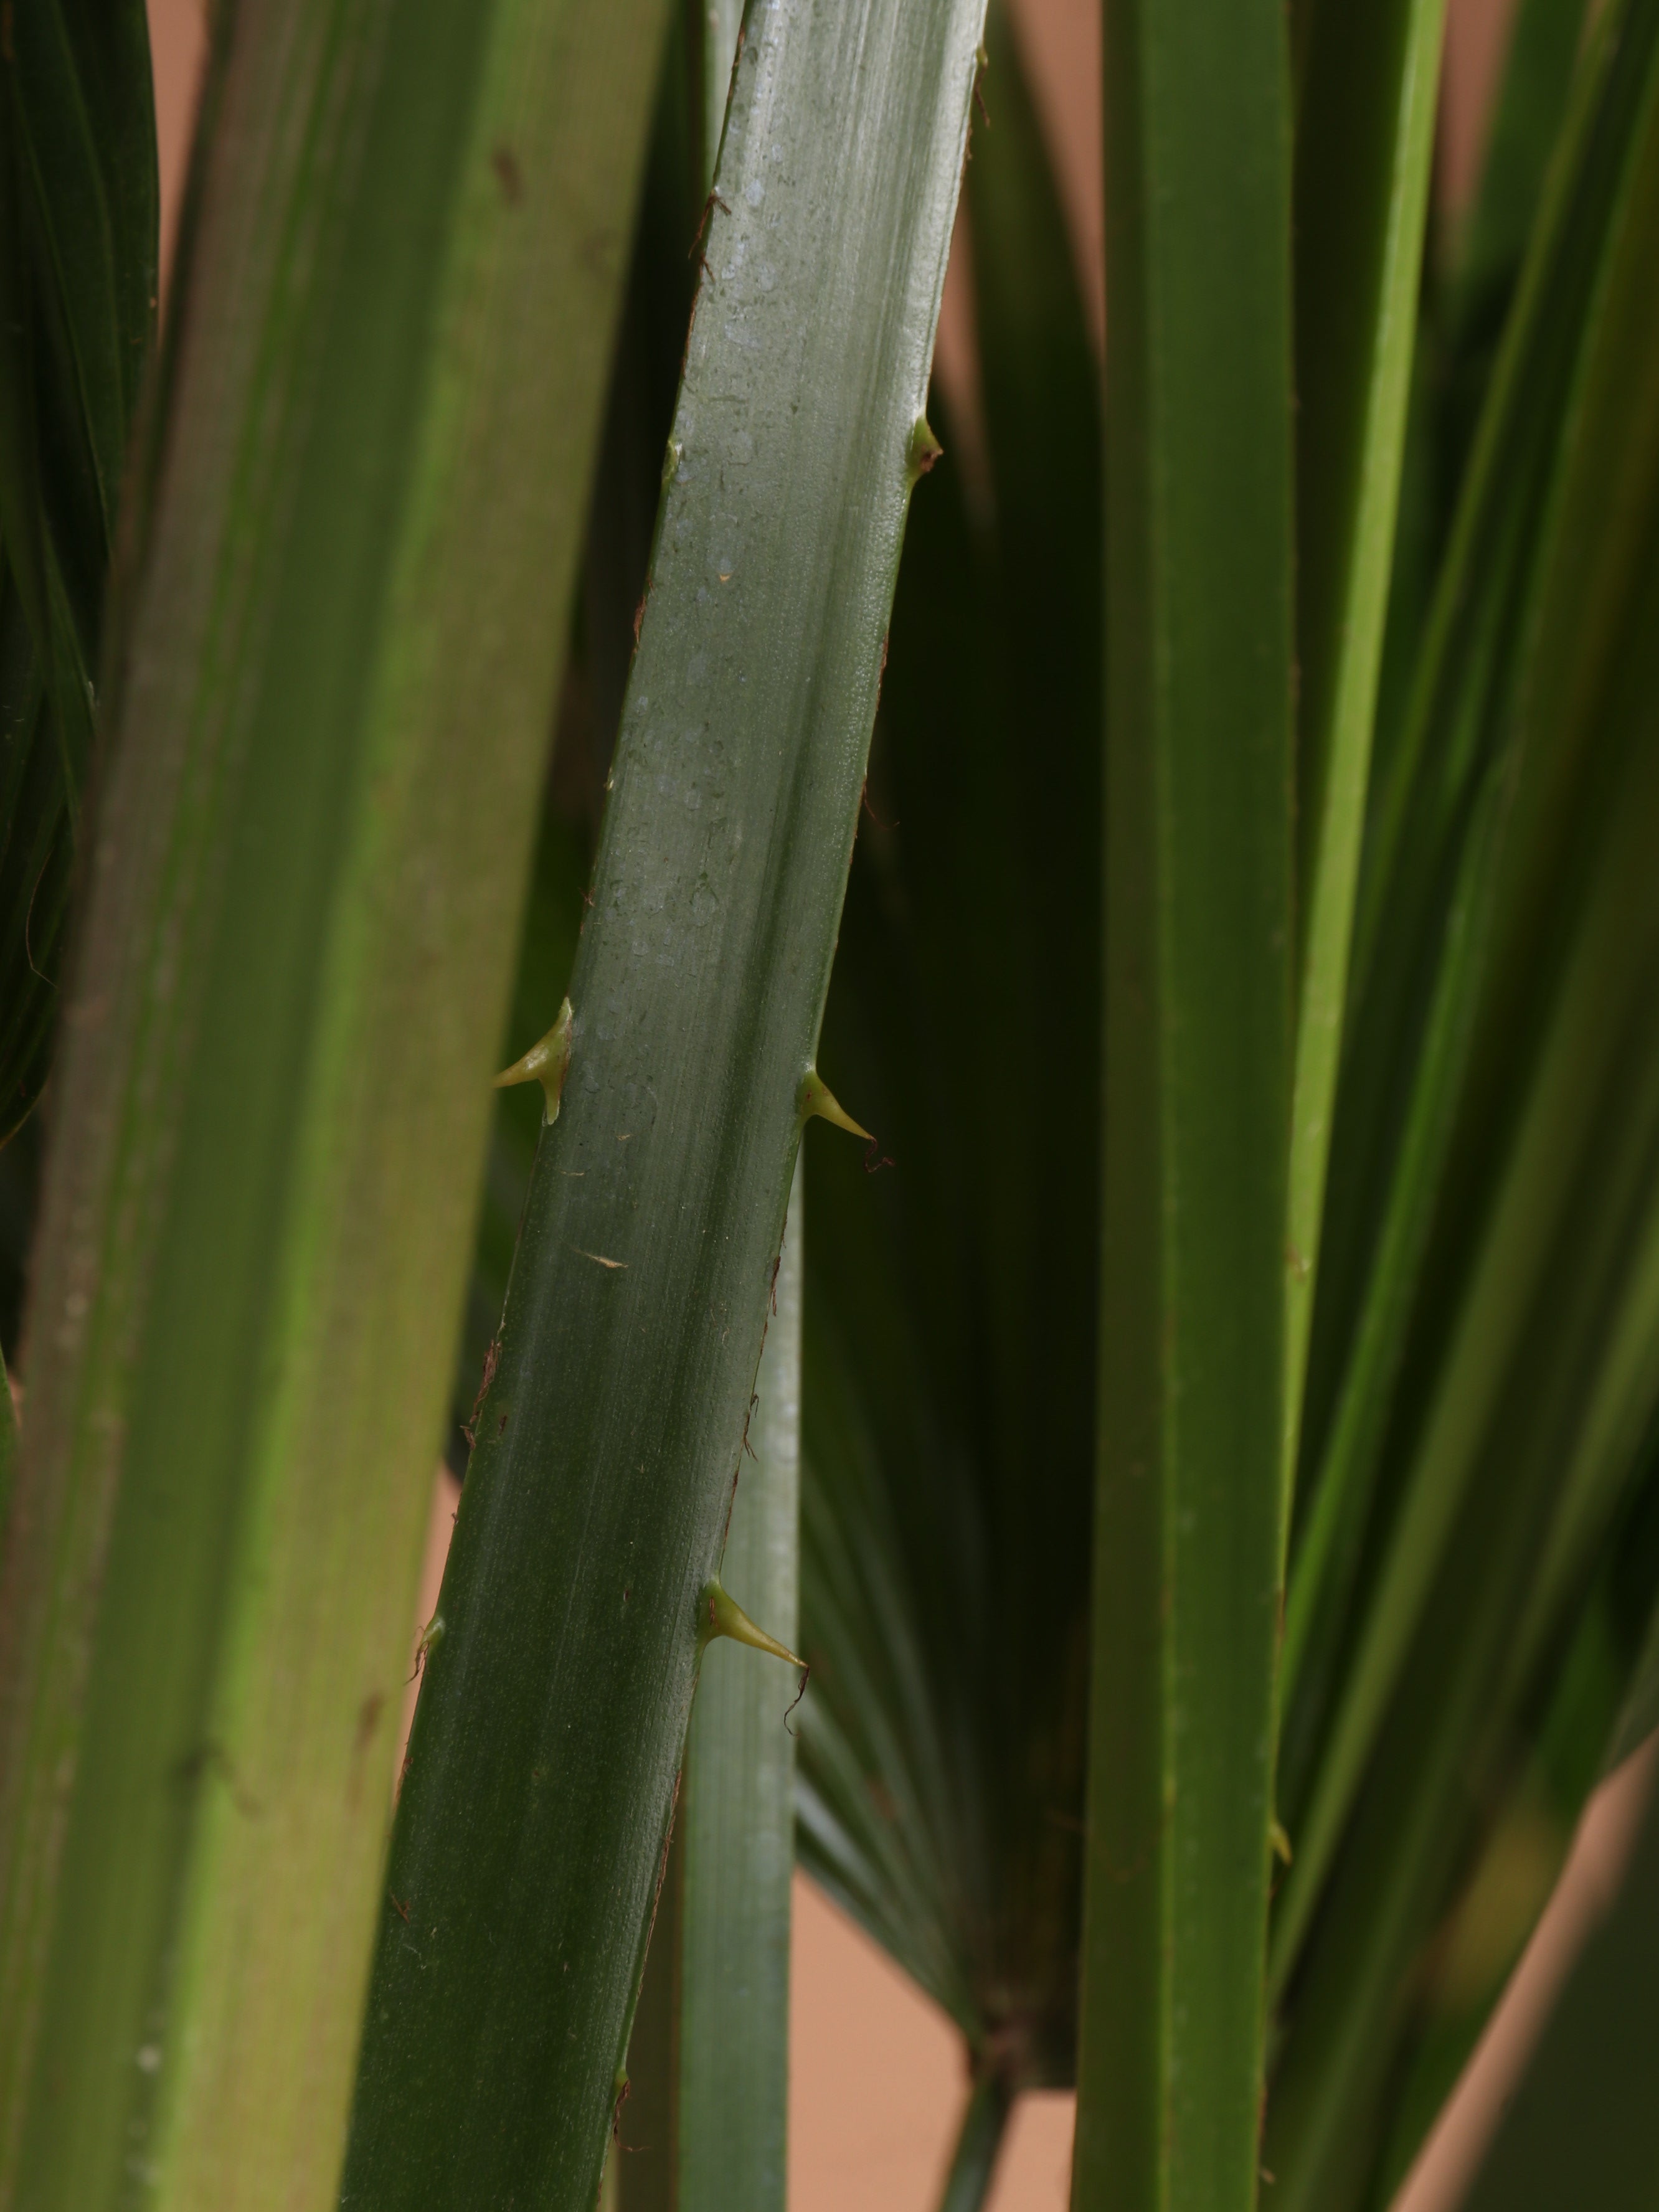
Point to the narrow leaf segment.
(532, 1823)
(1197, 1105)
(1362, 180)
(738, 1823)
(727, 2073)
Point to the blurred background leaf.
(1471, 1570)
(78, 250)
(368, 462)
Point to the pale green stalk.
(397, 280)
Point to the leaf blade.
(588, 1543)
(1362, 192)
(293, 971)
(1198, 878)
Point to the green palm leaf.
(531, 1826)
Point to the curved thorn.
(719, 1614)
(547, 1062)
(925, 450)
(816, 1097)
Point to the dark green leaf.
(532, 1823)
(78, 243)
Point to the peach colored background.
(877, 2078)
